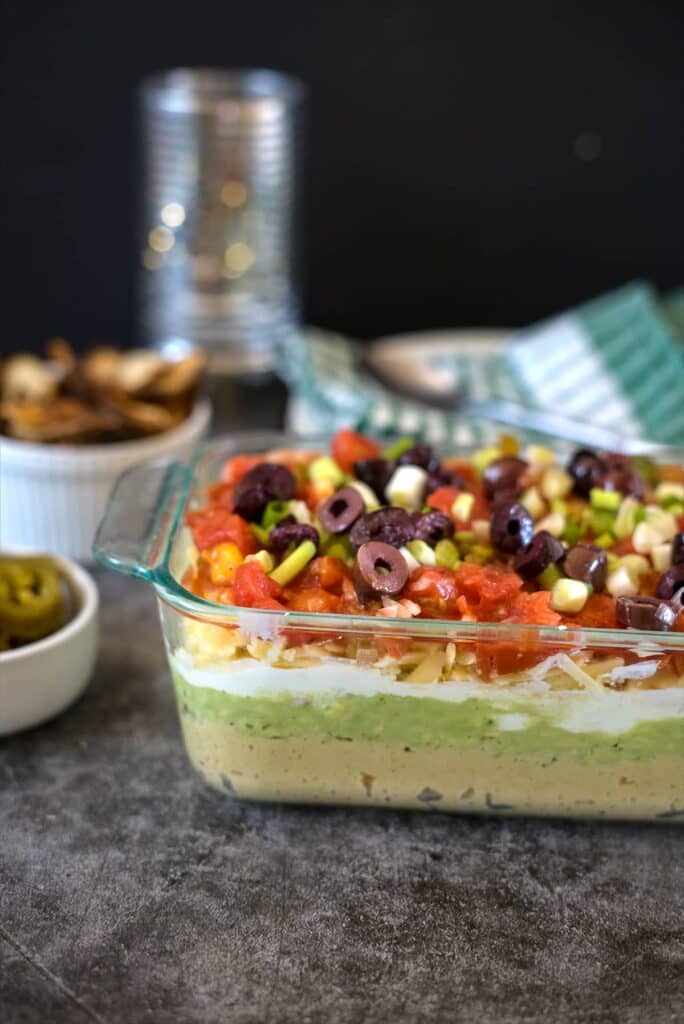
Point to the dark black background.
(445, 183)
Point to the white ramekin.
(52, 497)
(42, 679)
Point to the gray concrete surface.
(129, 893)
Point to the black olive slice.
(433, 526)
(586, 469)
(339, 513)
(504, 474)
(375, 473)
(284, 535)
(379, 569)
(644, 613)
(511, 527)
(543, 550)
(390, 525)
(588, 563)
(671, 583)
(269, 481)
(678, 549)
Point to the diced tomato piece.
(443, 498)
(598, 613)
(623, 547)
(672, 474)
(254, 589)
(533, 609)
(464, 468)
(349, 447)
(214, 525)
(490, 592)
(312, 600)
(436, 587)
(326, 572)
(222, 494)
(236, 467)
(503, 658)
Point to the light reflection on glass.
(173, 214)
(238, 257)
(233, 194)
(160, 239)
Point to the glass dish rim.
(273, 622)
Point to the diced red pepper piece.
(214, 525)
(349, 447)
(252, 588)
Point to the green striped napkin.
(615, 362)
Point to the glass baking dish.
(319, 708)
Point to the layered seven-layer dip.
(447, 718)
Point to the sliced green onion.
(398, 448)
(325, 468)
(294, 563)
(259, 534)
(605, 500)
(446, 554)
(274, 512)
(422, 552)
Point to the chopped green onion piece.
(422, 552)
(398, 448)
(339, 548)
(550, 577)
(274, 512)
(446, 554)
(480, 554)
(605, 500)
(675, 507)
(572, 533)
(259, 534)
(599, 520)
(325, 468)
(559, 506)
(625, 521)
(605, 540)
(294, 563)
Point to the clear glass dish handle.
(134, 532)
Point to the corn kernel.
(661, 556)
(223, 561)
(569, 596)
(539, 456)
(555, 483)
(553, 524)
(463, 507)
(533, 502)
(667, 490)
(661, 521)
(622, 583)
(636, 564)
(508, 445)
(481, 458)
(645, 538)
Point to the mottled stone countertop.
(130, 893)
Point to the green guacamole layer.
(425, 722)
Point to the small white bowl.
(43, 678)
(53, 497)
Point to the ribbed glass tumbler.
(217, 253)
